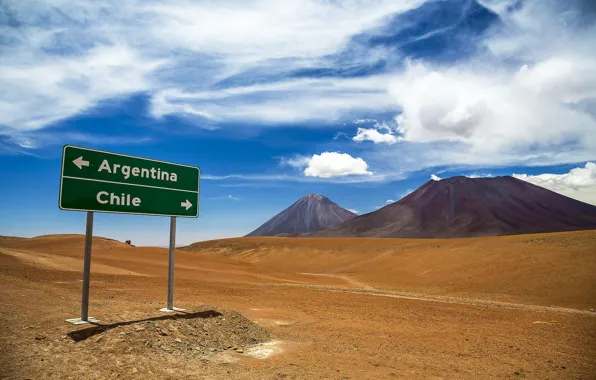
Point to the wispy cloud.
(303, 100)
(37, 139)
(228, 197)
(42, 88)
(339, 135)
(372, 178)
(61, 58)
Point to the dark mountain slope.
(309, 213)
(467, 207)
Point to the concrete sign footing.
(172, 310)
(79, 321)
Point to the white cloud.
(435, 177)
(531, 101)
(273, 29)
(479, 175)
(233, 198)
(68, 56)
(375, 136)
(578, 183)
(405, 193)
(328, 165)
(354, 211)
(390, 201)
(498, 114)
(333, 164)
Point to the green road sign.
(93, 180)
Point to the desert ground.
(292, 308)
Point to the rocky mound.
(196, 334)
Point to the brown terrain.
(299, 308)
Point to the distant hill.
(307, 214)
(468, 207)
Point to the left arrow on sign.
(186, 204)
(79, 162)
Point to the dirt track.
(334, 309)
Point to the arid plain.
(477, 308)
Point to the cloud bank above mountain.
(578, 183)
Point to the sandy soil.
(504, 307)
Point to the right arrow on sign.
(79, 162)
(186, 204)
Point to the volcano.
(470, 207)
(307, 214)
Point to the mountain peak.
(314, 196)
(466, 207)
(309, 213)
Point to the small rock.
(240, 351)
(593, 310)
(197, 348)
(139, 328)
(163, 332)
(134, 370)
(40, 337)
(178, 340)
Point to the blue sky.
(361, 101)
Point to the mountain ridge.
(471, 207)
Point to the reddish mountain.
(307, 214)
(467, 207)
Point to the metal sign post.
(86, 275)
(93, 180)
(170, 308)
